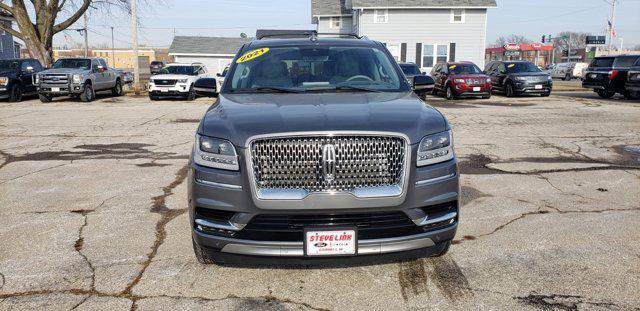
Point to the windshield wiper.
(267, 89)
(356, 88)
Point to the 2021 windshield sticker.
(251, 55)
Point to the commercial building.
(117, 58)
(422, 31)
(536, 53)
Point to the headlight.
(77, 78)
(521, 78)
(458, 80)
(151, 81)
(183, 80)
(36, 79)
(4, 80)
(488, 80)
(215, 153)
(435, 149)
(549, 78)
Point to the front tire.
(449, 93)
(45, 98)
(192, 93)
(153, 97)
(201, 254)
(88, 94)
(117, 89)
(509, 91)
(606, 94)
(16, 93)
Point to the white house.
(214, 52)
(425, 32)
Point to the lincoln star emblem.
(329, 162)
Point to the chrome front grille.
(165, 82)
(474, 81)
(340, 163)
(536, 78)
(55, 79)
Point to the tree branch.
(11, 31)
(64, 25)
(6, 7)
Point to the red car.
(460, 79)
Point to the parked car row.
(79, 78)
(608, 75)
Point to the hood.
(523, 74)
(7, 73)
(470, 76)
(65, 71)
(237, 117)
(170, 77)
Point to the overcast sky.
(160, 20)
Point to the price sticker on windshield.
(452, 67)
(251, 55)
(511, 65)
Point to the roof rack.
(311, 34)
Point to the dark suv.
(317, 147)
(607, 75)
(633, 80)
(16, 78)
(460, 79)
(518, 78)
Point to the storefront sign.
(512, 47)
(536, 46)
(512, 53)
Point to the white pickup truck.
(176, 80)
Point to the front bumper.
(229, 192)
(533, 88)
(179, 89)
(4, 93)
(60, 89)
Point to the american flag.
(613, 31)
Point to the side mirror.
(219, 75)
(101, 69)
(206, 87)
(423, 83)
(29, 69)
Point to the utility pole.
(613, 23)
(134, 26)
(86, 35)
(569, 49)
(113, 49)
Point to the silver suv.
(319, 148)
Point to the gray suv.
(316, 148)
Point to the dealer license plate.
(476, 89)
(330, 242)
(164, 90)
(593, 75)
(55, 89)
(538, 87)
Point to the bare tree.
(38, 35)
(578, 40)
(519, 39)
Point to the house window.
(380, 16)
(434, 54)
(394, 49)
(457, 16)
(335, 22)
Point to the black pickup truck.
(633, 80)
(16, 78)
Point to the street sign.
(596, 40)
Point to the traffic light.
(565, 53)
(544, 39)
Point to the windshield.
(314, 68)
(9, 65)
(467, 69)
(73, 63)
(179, 70)
(522, 67)
(410, 70)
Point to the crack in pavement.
(565, 302)
(31, 173)
(3, 280)
(541, 211)
(167, 215)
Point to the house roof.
(330, 7)
(423, 3)
(344, 7)
(206, 45)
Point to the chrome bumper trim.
(219, 185)
(435, 180)
(426, 221)
(217, 225)
(295, 249)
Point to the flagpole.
(612, 24)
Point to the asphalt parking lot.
(93, 214)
